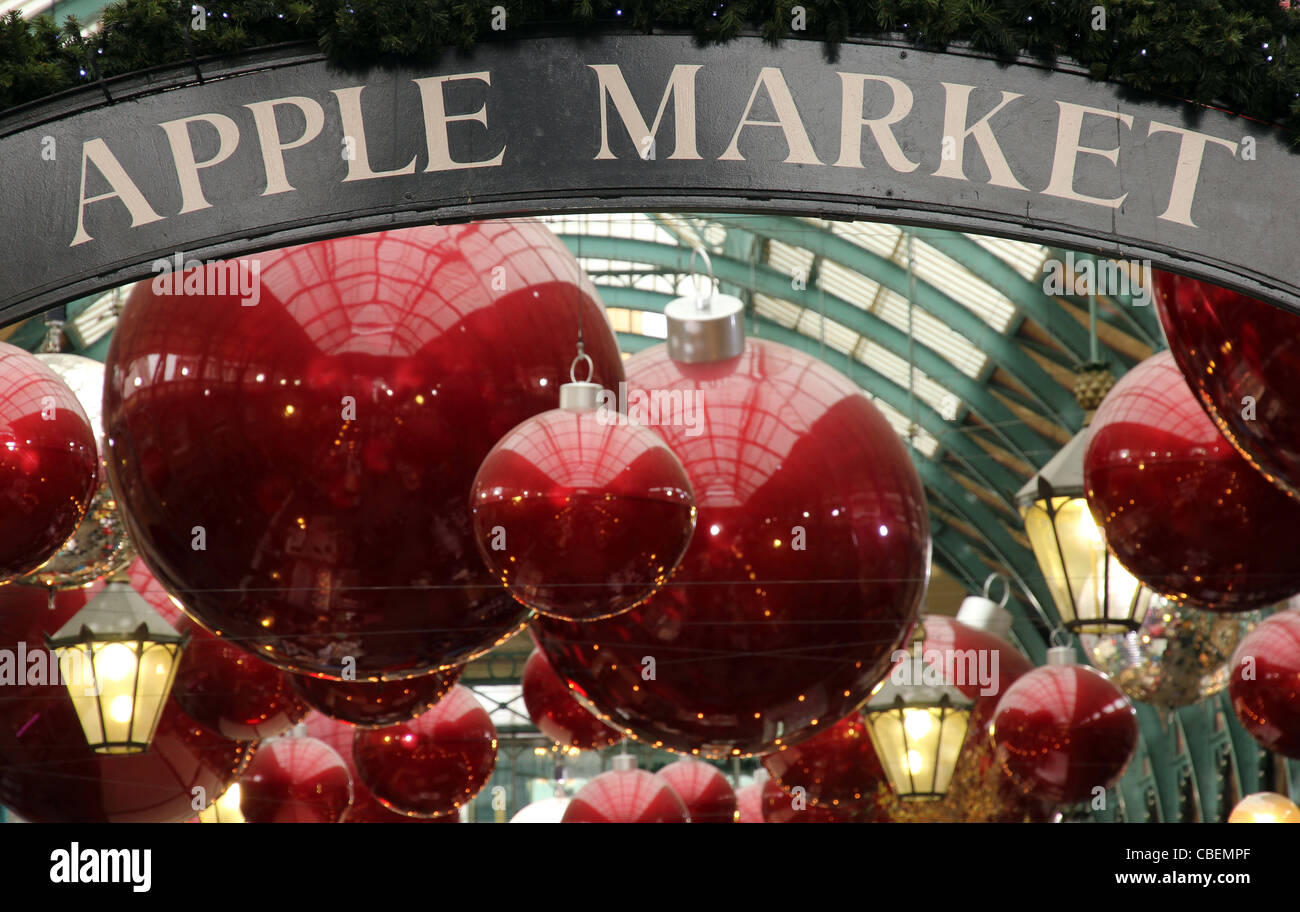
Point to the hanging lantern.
(225, 809)
(118, 657)
(918, 725)
(581, 514)
(1092, 592)
(1265, 807)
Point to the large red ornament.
(1063, 730)
(557, 714)
(47, 771)
(297, 471)
(782, 807)
(1180, 508)
(582, 516)
(434, 763)
(708, 796)
(1242, 357)
(749, 803)
(804, 575)
(1265, 683)
(366, 808)
(295, 780)
(836, 768)
(49, 462)
(222, 687)
(375, 704)
(626, 795)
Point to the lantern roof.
(1063, 473)
(117, 611)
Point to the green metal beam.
(1014, 434)
(1139, 321)
(1057, 401)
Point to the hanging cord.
(1092, 321)
(911, 339)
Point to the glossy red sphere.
(703, 788)
(805, 572)
(366, 808)
(1265, 683)
(222, 687)
(1062, 731)
(49, 462)
(557, 714)
(626, 796)
(782, 807)
(432, 764)
(47, 771)
(295, 780)
(375, 704)
(579, 516)
(1179, 507)
(319, 446)
(836, 768)
(749, 803)
(1242, 357)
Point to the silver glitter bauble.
(100, 545)
(1177, 657)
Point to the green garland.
(1243, 55)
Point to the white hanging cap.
(982, 613)
(623, 762)
(580, 395)
(705, 327)
(1061, 655)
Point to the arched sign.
(282, 148)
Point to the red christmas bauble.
(580, 516)
(222, 687)
(557, 714)
(836, 768)
(434, 763)
(805, 572)
(1180, 508)
(375, 704)
(49, 462)
(295, 780)
(749, 803)
(708, 796)
(626, 796)
(781, 807)
(1063, 730)
(366, 808)
(1265, 683)
(296, 472)
(1242, 357)
(49, 774)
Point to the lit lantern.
(118, 657)
(1092, 592)
(1265, 807)
(917, 723)
(225, 809)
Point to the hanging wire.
(911, 339)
